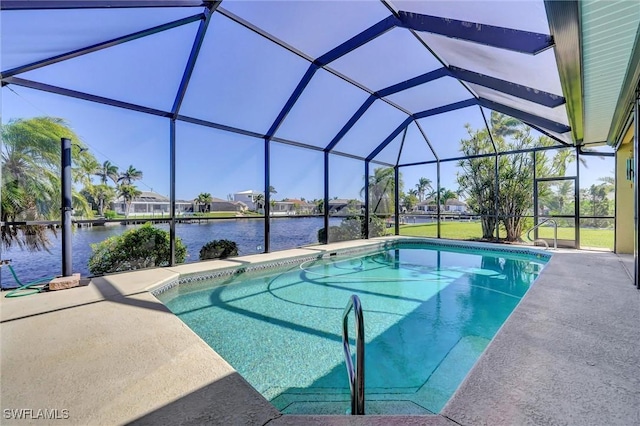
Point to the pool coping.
(382, 244)
(173, 381)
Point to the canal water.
(247, 233)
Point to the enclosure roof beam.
(84, 96)
(96, 4)
(99, 46)
(489, 35)
(389, 138)
(193, 56)
(550, 135)
(446, 108)
(564, 23)
(409, 120)
(413, 82)
(358, 40)
(304, 82)
(523, 92)
(352, 121)
(516, 151)
(353, 43)
(525, 116)
(426, 139)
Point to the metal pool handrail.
(555, 233)
(356, 376)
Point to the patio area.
(110, 353)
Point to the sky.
(243, 80)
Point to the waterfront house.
(344, 207)
(220, 205)
(292, 207)
(248, 198)
(150, 204)
(452, 205)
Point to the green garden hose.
(26, 289)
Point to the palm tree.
(204, 199)
(108, 171)
(381, 190)
(103, 194)
(128, 176)
(86, 167)
(410, 199)
(504, 125)
(259, 201)
(128, 194)
(30, 170)
(447, 194)
(422, 187)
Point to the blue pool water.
(429, 313)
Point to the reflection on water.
(247, 233)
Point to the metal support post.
(366, 199)
(172, 192)
(396, 197)
(267, 195)
(325, 204)
(438, 198)
(66, 207)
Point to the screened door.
(555, 202)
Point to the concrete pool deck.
(111, 353)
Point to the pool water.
(429, 313)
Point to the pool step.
(342, 407)
(427, 399)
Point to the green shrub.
(352, 228)
(218, 249)
(377, 227)
(110, 214)
(139, 248)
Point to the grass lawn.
(589, 237)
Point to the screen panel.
(557, 114)
(314, 27)
(221, 174)
(391, 152)
(415, 148)
(437, 93)
(391, 58)
(537, 72)
(346, 198)
(520, 15)
(322, 109)
(417, 201)
(146, 71)
(380, 120)
(446, 131)
(232, 83)
(34, 35)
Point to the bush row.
(148, 246)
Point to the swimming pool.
(429, 310)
